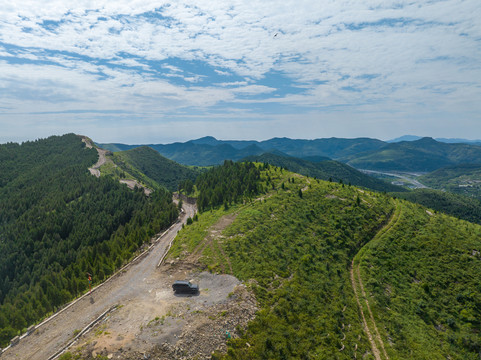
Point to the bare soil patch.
(159, 324)
(132, 184)
(94, 170)
(162, 325)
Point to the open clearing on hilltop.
(160, 325)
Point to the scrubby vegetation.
(326, 170)
(462, 207)
(298, 251)
(58, 222)
(295, 252)
(424, 281)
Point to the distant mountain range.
(444, 140)
(411, 155)
(210, 151)
(423, 155)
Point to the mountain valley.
(297, 257)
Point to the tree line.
(58, 222)
(223, 185)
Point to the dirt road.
(409, 177)
(369, 323)
(94, 170)
(134, 282)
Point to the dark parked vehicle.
(185, 287)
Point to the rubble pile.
(208, 330)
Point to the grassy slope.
(422, 273)
(117, 147)
(423, 279)
(298, 251)
(326, 170)
(148, 162)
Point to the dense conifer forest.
(227, 184)
(58, 222)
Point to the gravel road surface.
(54, 334)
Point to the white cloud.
(223, 73)
(232, 83)
(424, 54)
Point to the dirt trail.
(94, 170)
(213, 234)
(374, 348)
(372, 333)
(162, 325)
(128, 285)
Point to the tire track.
(373, 334)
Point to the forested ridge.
(326, 170)
(459, 179)
(462, 207)
(227, 184)
(294, 247)
(147, 162)
(58, 222)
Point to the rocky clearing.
(161, 325)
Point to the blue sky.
(158, 72)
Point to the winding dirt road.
(130, 283)
(369, 324)
(94, 170)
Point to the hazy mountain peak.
(405, 138)
(206, 140)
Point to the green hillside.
(462, 179)
(328, 147)
(326, 170)
(423, 155)
(298, 250)
(459, 206)
(295, 245)
(58, 222)
(146, 162)
(422, 275)
(334, 148)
